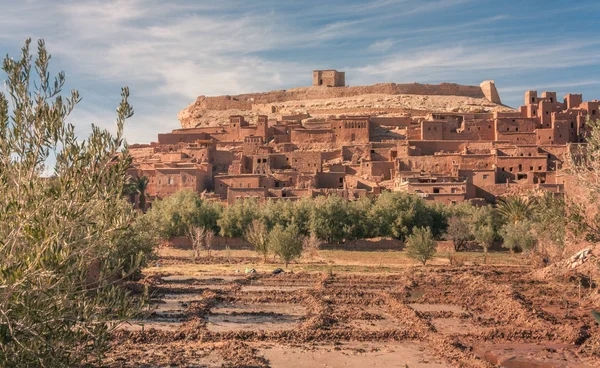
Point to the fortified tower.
(329, 78)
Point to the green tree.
(515, 209)
(484, 227)
(179, 212)
(236, 218)
(396, 214)
(141, 184)
(65, 241)
(517, 236)
(286, 243)
(458, 231)
(550, 220)
(330, 219)
(258, 235)
(420, 245)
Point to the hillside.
(379, 99)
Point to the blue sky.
(168, 53)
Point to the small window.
(485, 176)
(539, 168)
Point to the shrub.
(286, 243)
(420, 245)
(311, 245)
(65, 241)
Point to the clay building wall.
(545, 136)
(351, 130)
(305, 161)
(300, 136)
(330, 179)
(432, 147)
(222, 159)
(382, 151)
(391, 121)
(514, 125)
(572, 101)
(201, 154)
(174, 138)
(432, 130)
(223, 183)
(516, 138)
(166, 181)
(236, 194)
(354, 153)
(384, 170)
(475, 161)
(473, 130)
(141, 152)
(433, 164)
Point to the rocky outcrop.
(383, 98)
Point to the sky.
(170, 52)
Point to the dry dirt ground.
(205, 314)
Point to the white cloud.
(171, 52)
(381, 46)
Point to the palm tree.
(141, 184)
(515, 209)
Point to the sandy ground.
(204, 314)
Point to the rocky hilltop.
(387, 99)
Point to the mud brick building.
(441, 156)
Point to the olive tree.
(458, 231)
(420, 245)
(257, 235)
(286, 243)
(63, 239)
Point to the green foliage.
(550, 220)
(398, 213)
(420, 245)
(141, 184)
(517, 236)
(236, 218)
(286, 243)
(458, 231)
(484, 223)
(65, 241)
(174, 215)
(331, 219)
(258, 235)
(514, 209)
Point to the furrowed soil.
(205, 314)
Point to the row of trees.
(331, 219)
(518, 223)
